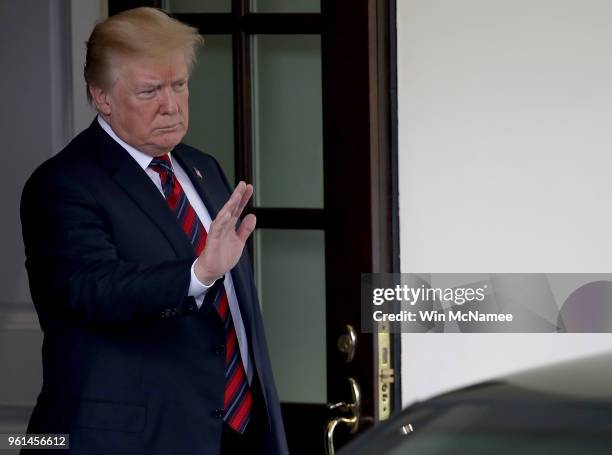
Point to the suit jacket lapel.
(139, 187)
(212, 200)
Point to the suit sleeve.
(73, 265)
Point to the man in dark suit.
(153, 336)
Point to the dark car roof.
(584, 385)
(584, 379)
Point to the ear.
(101, 99)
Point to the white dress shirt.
(197, 289)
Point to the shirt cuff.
(197, 289)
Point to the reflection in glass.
(211, 105)
(290, 273)
(287, 121)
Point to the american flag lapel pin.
(198, 173)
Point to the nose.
(167, 101)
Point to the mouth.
(169, 129)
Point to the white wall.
(84, 14)
(505, 155)
(33, 123)
(39, 116)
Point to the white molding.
(18, 317)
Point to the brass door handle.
(351, 421)
(347, 343)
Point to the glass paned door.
(211, 102)
(287, 121)
(286, 6)
(198, 6)
(290, 271)
(301, 119)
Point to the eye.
(148, 93)
(180, 85)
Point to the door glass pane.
(290, 273)
(286, 6)
(211, 104)
(198, 6)
(287, 121)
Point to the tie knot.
(161, 164)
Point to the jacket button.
(220, 350)
(218, 413)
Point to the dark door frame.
(359, 63)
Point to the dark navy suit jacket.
(130, 364)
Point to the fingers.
(248, 192)
(228, 215)
(232, 203)
(246, 227)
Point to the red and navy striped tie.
(237, 398)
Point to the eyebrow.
(148, 86)
(156, 84)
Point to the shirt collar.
(141, 158)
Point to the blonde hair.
(138, 32)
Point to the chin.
(170, 140)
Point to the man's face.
(148, 104)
